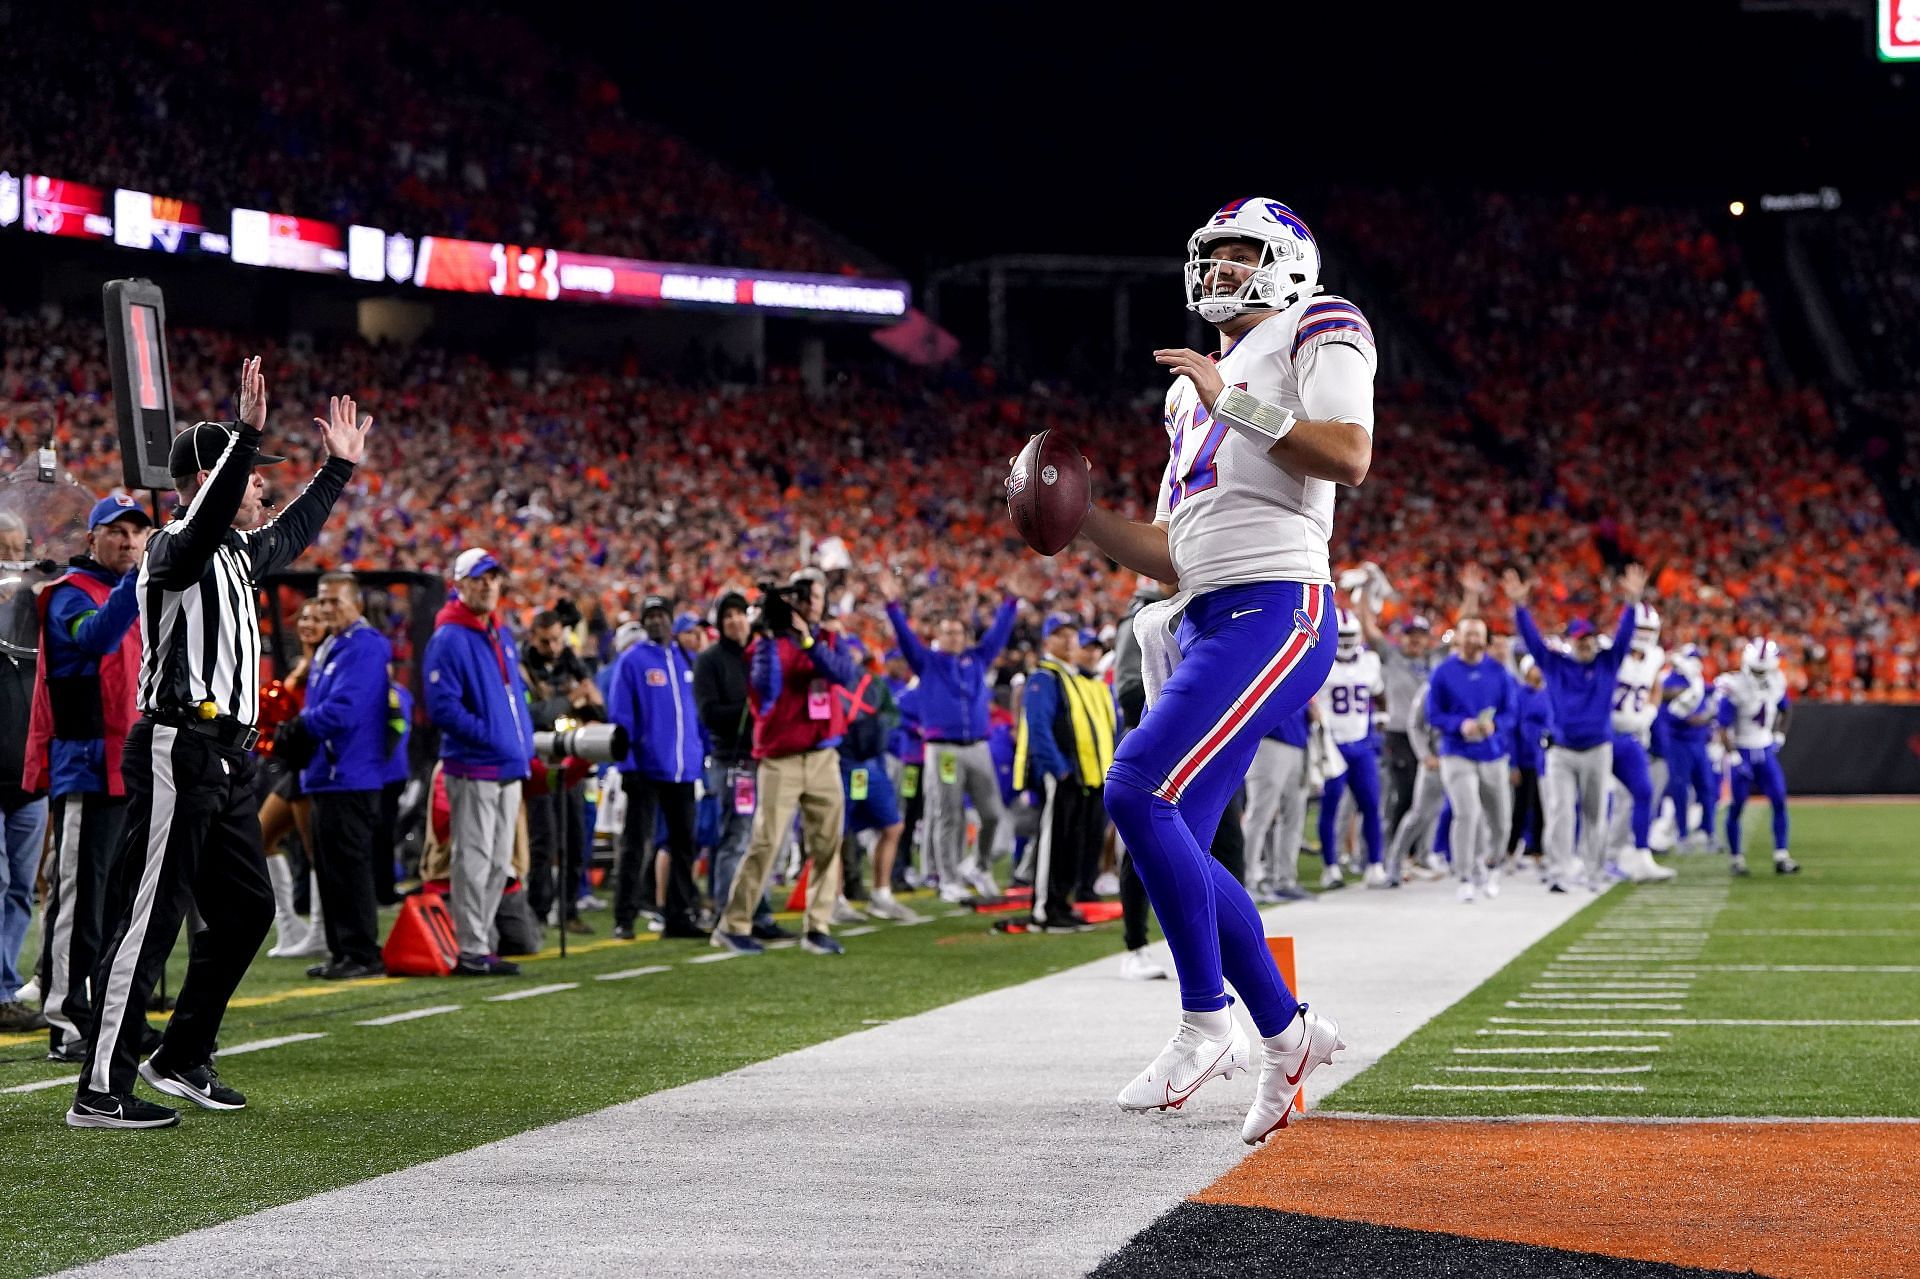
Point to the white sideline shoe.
(1331, 877)
(980, 880)
(955, 893)
(1286, 1059)
(1492, 887)
(1137, 965)
(885, 906)
(1188, 1060)
(845, 912)
(1465, 891)
(1376, 876)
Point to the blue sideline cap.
(117, 507)
(473, 562)
(1054, 623)
(1578, 628)
(684, 623)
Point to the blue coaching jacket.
(78, 635)
(651, 696)
(347, 712)
(1581, 692)
(477, 698)
(953, 686)
(1458, 691)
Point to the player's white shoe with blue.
(1286, 1059)
(1189, 1060)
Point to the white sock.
(1289, 1039)
(1214, 1025)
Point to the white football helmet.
(1348, 633)
(1646, 626)
(1760, 657)
(1289, 267)
(1686, 659)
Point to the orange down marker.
(1282, 949)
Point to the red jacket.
(119, 689)
(787, 727)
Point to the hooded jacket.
(652, 698)
(475, 696)
(346, 712)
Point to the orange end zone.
(1786, 1199)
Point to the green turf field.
(1705, 948)
(365, 1100)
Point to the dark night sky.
(1008, 132)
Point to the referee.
(192, 837)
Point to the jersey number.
(1202, 473)
(1627, 692)
(1355, 699)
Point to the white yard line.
(1529, 1003)
(717, 957)
(1703, 1021)
(1575, 1034)
(1547, 1070)
(1531, 1050)
(412, 1014)
(862, 931)
(1526, 1088)
(625, 973)
(531, 991)
(41, 1085)
(258, 1044)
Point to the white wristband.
(1253, 415)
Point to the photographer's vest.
(805, 714)
(89, 707)
(1086, 715)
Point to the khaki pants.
(811, 783)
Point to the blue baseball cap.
(684, 623)
(895, 655)
(1054, 623)
(473, 562)
(116, 507)
(1578, 628)
(1088, 636)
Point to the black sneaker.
(16, 1016)
(485, 966)
(1068, 924)
(71, 1051)
(347, 970)
(151, 1037)
(1783, 865)
(821, 944)
(623, 932)
(201, 1086)
(772, 932)
(104, 1110)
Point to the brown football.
(1048, 492)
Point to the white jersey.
(1234, 514)
(1756, 703)
(1346, 700)
(1636, 698)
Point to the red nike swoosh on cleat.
(1198, 1079)
(1306, 1055)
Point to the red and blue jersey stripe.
(1330, 315)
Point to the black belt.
(953, 741)
(224, 729)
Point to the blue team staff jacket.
(477, 699)
(652, 698)
(347, 712)
(953, 686)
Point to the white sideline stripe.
(625, 973)
(40, 1085)
(1678, 961)
(1531, 1050)
(1814, 932)
(1574, 1034)
(717, 957)
(1810, 968)
(1526, 1088)
(1617, 974)
(412, 1014)
(1703, 1021)
(859, 932)
(1547, 1070)
(1663, 1008)
(1592, 981)
(1643, 953)
(531, 991)
(1662, 993)
(257, 1044)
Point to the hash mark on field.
(412, 1014)
(717, 957)
(625, 973)
(918, 919)
(1815, 932)
(1666, 1008)
(256, 1045)
(531, 991)
(1526, 1088)
(1574, 1034)
(41, 1085)
(1556, 1048)
(1547, 1070)
(1809, 968)
(862, 931)
(1665, 992)
(1702, 1021)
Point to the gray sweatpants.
(952, 775)
(1429, 793)
(1276, 813)
(485, 818)
(1482, 798)
(1579, 778)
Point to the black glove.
(294, 743)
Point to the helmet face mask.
(1347, 634)
(1761, 656)
(1288, 267)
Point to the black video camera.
(777, 603)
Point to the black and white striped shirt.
(199, 598)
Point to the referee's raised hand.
(253, 394)
(344, 432)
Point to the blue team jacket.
(398, 768)
(477, 698)
(1457, 692)
(1582, 692)
(347, 712)
(1293, 730)
(1531, 729)
(78, 636)
(652, 698)
(953, 686)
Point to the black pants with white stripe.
(86, 840)
(1072, 822)
(192, 843)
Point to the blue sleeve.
(1040, 704)
(360, 685)
(98, 631)
(910, 646)
(999, 633)
(831, 662)
(1439, 706)
(1622, 640)
(444, 705)
(1727, 713)
(623, 707)
(1530, 635)
(766, 670)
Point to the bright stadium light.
(1737, 208)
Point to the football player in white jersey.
(1636, 700)
(1689, 708)
(1259, 436)
(1753, 713)
(1346, 704)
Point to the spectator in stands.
(652, 698)
(563, 689)
(346, 716)
(797, 726)
(475, 696)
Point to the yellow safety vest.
(1089, 714)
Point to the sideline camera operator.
(563, 694)
(720, 683)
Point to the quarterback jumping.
(1258, 434)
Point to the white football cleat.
(980, 880)
(886, 906)
(1376, 876)
(1137, 965)
(1492, 887)
(1286, 1059)
(1465, 891)
(1331, 877)
(1188, 1060)
(955, 893)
